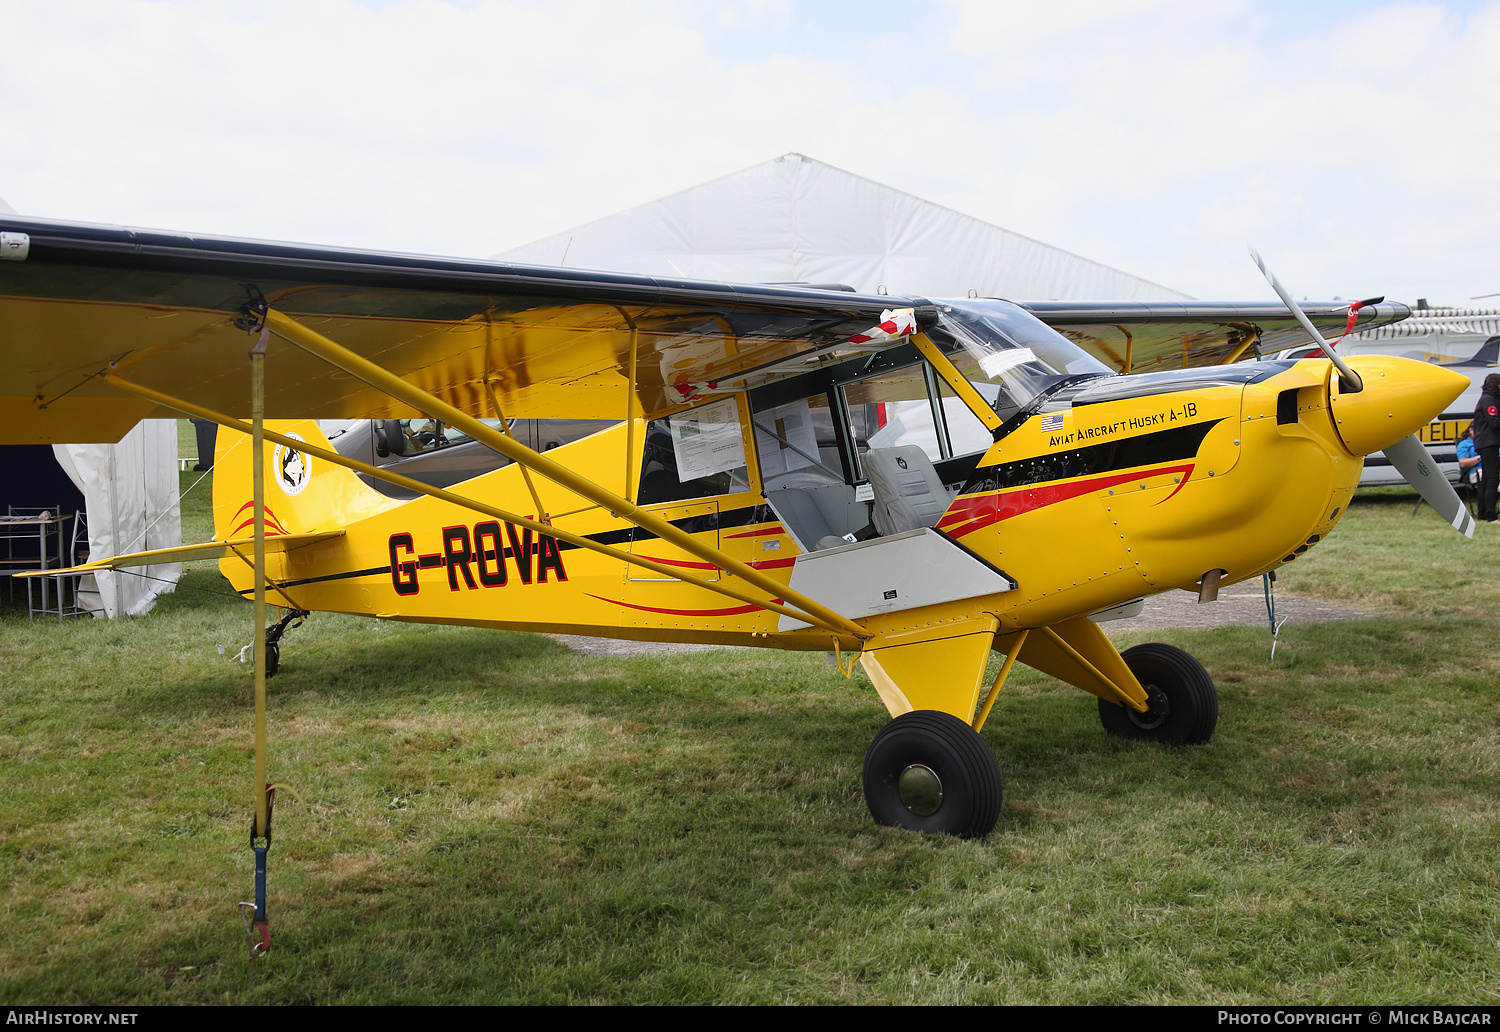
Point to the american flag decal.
(1052, 422)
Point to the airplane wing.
(165, 311)
(1145, 336)
(241, 546)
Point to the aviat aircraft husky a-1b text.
(914, 483)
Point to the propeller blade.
(1351, 382)
(1416, 464)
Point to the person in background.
(1487, 442)
(1469, 470)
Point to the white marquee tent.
(794, 219)
(130, 491)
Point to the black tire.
(1184, 705)
(951, 755)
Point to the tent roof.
(794, 219)
(1426, 322)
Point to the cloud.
(1155, 135)
(1161, 136)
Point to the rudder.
(303, 493)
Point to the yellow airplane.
(913, 483)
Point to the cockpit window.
(1007, 353)
(699, 453)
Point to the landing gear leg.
(1183, 706)
(293, 618)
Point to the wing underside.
(172, 313)
(161, 310)
(1146, 336)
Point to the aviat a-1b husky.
(914, 483)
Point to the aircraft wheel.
(1184, 708)
(929, 771)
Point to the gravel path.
(1240, 605)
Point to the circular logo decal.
(291, 467)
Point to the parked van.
(434, 453)
(1466, 340)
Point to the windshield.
(1009, 354)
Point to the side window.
(425, 435)
(422, 435)
(408, 437)
(699, 453)
(894, 409)
(966, 434)
(554, 433)
(796, 444)
(449, 435)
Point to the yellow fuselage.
(1144, 484)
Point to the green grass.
(487, 817)
(187, 440)
(1383, 558)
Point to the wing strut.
(630, 402)
(417, 486)
(315, 343)
(945, 368)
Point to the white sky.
(1354, 143)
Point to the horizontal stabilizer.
(208, 550)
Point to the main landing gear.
(293, 618)
(929, 771)
(1183, 706)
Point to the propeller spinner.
(1381, 405)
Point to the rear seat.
(800, 514)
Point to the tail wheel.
(929, 771)
(1183, 707)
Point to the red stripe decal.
(678, 562)
(736, 611)
(980, 511)
(778, 529)
(272, 520)
(754, 564)
(270, 530)
(770, 564)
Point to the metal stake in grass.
(247, 915)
